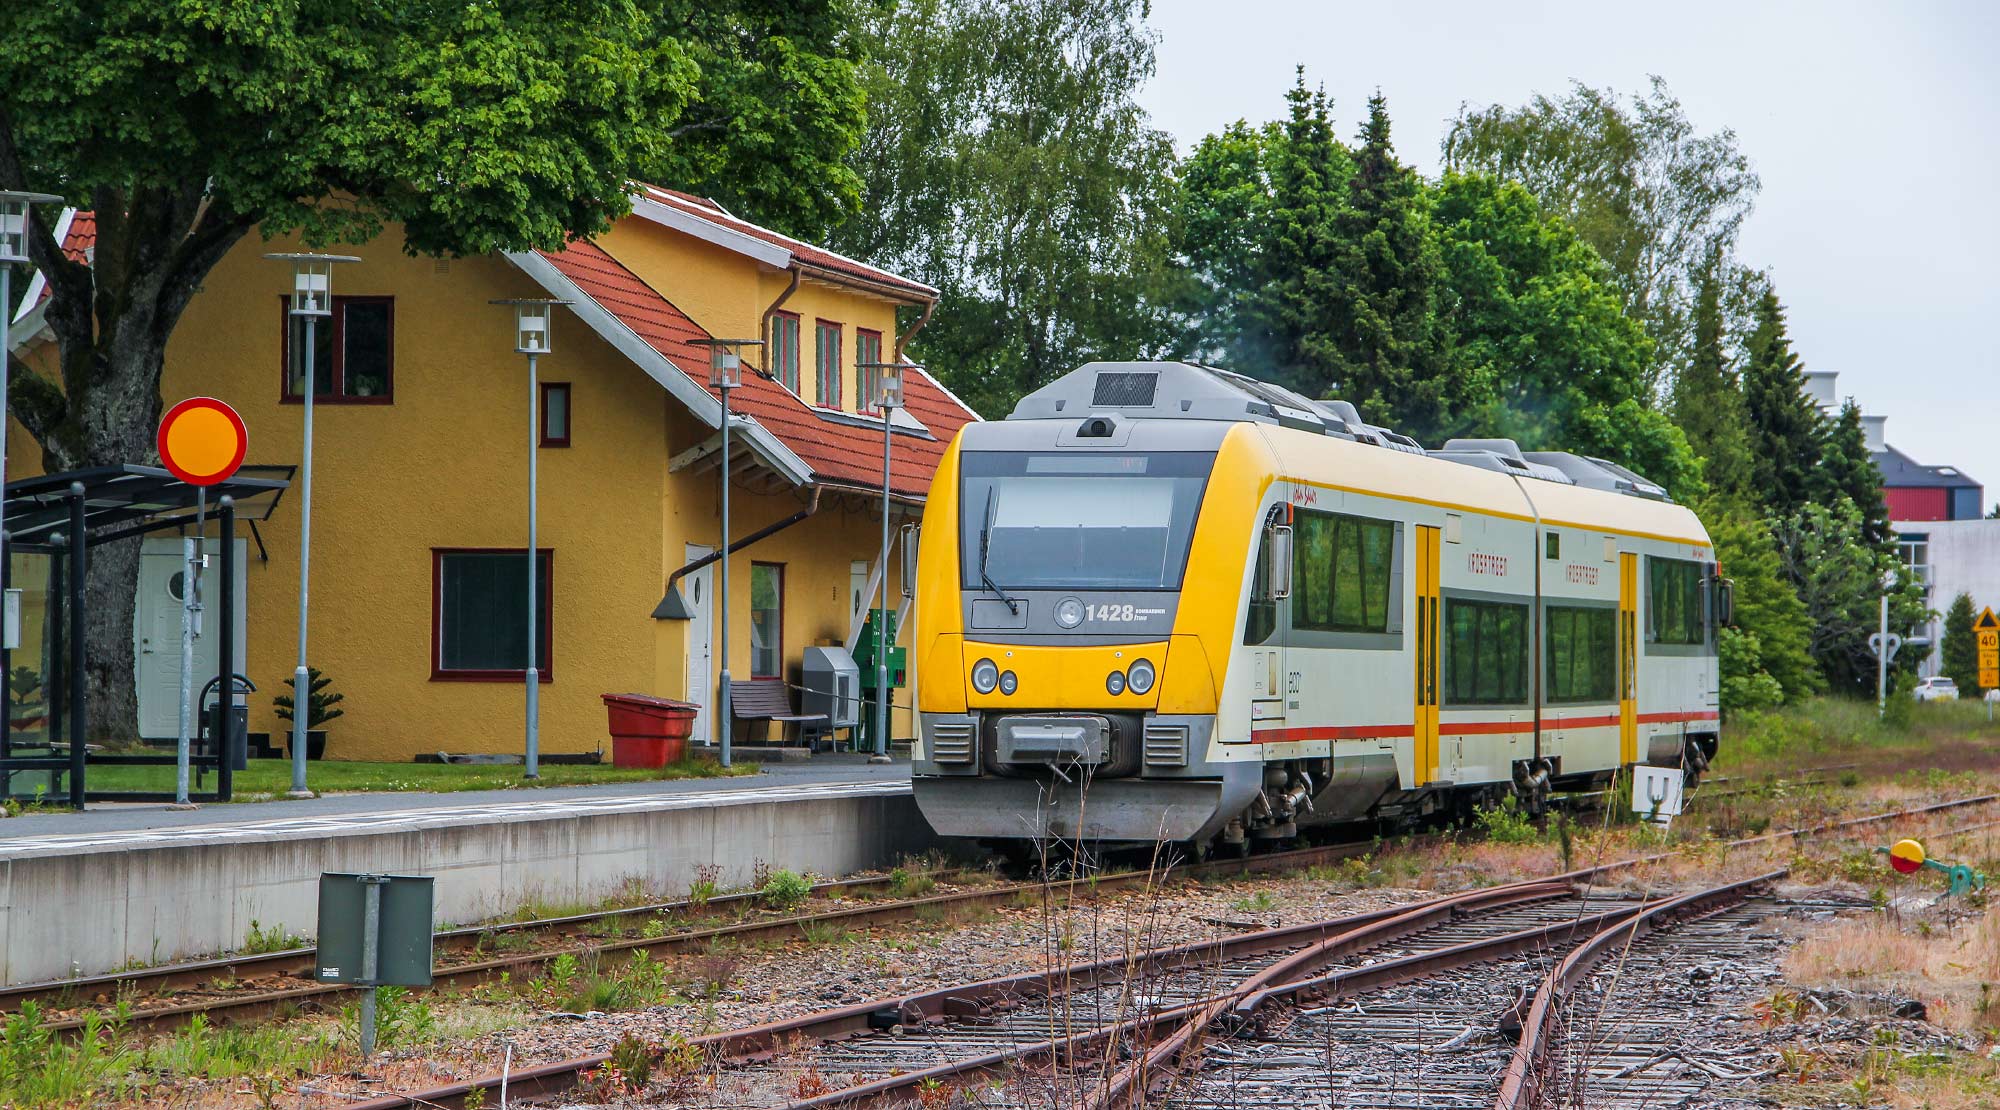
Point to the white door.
(697, 588)
(156, 630)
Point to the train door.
(1427, 564)
(1628, 658)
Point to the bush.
(1506, 823)
(785, 890)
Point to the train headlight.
(1140, 678)
(1115, 682)
(1069, 612)
(985, 676)
(1008, 683)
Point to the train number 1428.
(1111, 613)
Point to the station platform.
(85, 893)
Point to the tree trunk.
(110, 666)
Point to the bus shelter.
(53, 524)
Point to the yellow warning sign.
(1989, 641)
(1987, 622)
(1987, 628)
(1989, 660)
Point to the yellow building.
(422, 430)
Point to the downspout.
(903, 340)
(764, 324)
(672, 608)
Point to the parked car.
(1936, 688)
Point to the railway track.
(251, 987)
(1116, 1031)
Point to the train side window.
(1581, 653)
(1345, 571)
(1673, 601)
(1486, 652)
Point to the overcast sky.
(1875, 129)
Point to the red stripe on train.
(1465, 728)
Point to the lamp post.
(725, 372)
(311, 301)
(532, 317)
(16, 209)
(888, 394)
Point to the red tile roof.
(817, 257)
(838, 452)
(82, 236)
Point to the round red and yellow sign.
(202, 441)
(1906, 856)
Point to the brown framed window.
(867, 380)
(354, 352)
(555, 414)
(785, 349)
(767, 620)
(828, 365)
(479, 622)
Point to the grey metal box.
(832, 684)
(403, 947)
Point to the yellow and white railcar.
(1167, 602)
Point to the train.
(1163, 602)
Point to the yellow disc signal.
(1906, 856)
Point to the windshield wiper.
(985, 540)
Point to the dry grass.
(1951, 967)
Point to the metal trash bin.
(227, 721)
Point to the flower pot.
(315, 743)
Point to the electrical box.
(879, 627)
(832, 686)
(402, 938)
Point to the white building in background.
(1936, 513)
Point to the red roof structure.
(843, 450)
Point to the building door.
(1628, 658)
(1425, 749)
(156, 631)
(698, 588)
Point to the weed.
(760, 873)
(274, 939)
(680, 1064)
(821, 934)
(1506, 823)
(714, 970)
(1263, 901)
(654, 927)
(811, 1084)
(633, 1057)
(784, 890)
(475, 1099)
(704, 886)
(905, 884)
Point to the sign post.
(201, 441)
(1987, 630)
(374, 930)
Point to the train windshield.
(1082, 520)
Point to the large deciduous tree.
(187, 125)
(1639, 182)
(1007, 162)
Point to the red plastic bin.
(647, 731)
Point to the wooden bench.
(768, 699)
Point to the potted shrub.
(319, 710)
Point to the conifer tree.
(1708, 405)
(1785, 427)
(1388, 351)
(1847, 469)
(1959, 655)
(1309, 173)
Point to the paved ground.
(120, 817)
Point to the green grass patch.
(271, 778)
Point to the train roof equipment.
(1101, 394)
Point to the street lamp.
(888, 395)
(16, 210)
(532, 317)
(311, 300)
(725, 372)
